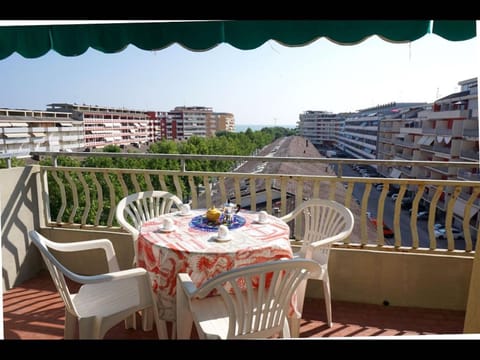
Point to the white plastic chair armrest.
(329, 240)
(113, 276)
(104, 244)
(288, 217)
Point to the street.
(388, 212)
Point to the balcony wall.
(364, 272)
(20, 200)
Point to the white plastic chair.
(103, 300)
(251, 301)
(324, 222)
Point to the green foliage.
(112, 148)
(15, 163)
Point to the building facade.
(445, 131)
(104, 126)
(322, 128)
(22, 131)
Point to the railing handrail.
(369, 180)
(241, 158)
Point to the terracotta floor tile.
(35, 311)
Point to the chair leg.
(88, 328)
(300, 294)
(161, 325)
(328, 299)
(294, 324)
(150, 315)
(70, 326)
(294, 320)
(131, 322)
(174, 330)
(147, 319)
(184, 319)
(286, 330)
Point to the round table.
(193, 249)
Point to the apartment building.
(188, 121)
(322, 128)
(22, 131)
(359, 138)
(74, 127)
(445, 131)
(221, 121)
(110, 126)
(184, 122)
(398, 139)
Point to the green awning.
(72, 40)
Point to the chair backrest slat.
(135, 209)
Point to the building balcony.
(470, 154)
(442, 149)
(379, 285)
(449, 114)
(428, 130)
(471, 133)
(468, 175)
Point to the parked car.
(441, 233)
(421, 215)
(387, 232)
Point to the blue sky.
(270, 85)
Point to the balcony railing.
(83, 187)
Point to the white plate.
(217, 239)
(163, 230)
(187, 214)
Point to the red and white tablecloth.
(195, 251)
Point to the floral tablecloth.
(191, 249)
